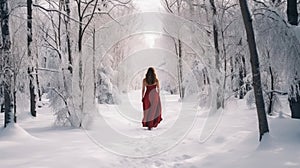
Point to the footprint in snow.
(185, 157)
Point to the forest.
(74, 57)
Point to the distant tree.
(178, 43)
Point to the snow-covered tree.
(106, 90)
(7, 70)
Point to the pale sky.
(148, 5)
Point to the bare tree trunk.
(31, 60)
(9, 117)
(242, 75)
(241, 83)
(205, 76)
(220, 95)
(65, 95)
(38, 84)
(94, 61)
(81, 31)
(225, 63)
(67, 23)
(232, 76)
(292, 13)
(259, 100)
(216, 34)
(15, 95)
(270, 108)
(37, 75)
(180, 78)
(80, 36)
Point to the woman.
(151, 100)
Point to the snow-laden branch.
(57, 11)
(120, 2)
(261, 3)
(107, 12)
(86, 7)
(276, 91)
(266, 7)
(47, 69)
(272, 11)
(64, 100)
(99, 12)
(90, 19)
(168, 7)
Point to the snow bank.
(13, 132)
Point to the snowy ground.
(116, 139)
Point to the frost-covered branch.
(57, 11)
(276, 91)
(120, 2)
(49, 70)
(261, 3)
(90, 19)
(168, 6)
(62, 97)
(272, 11)
(87, 6)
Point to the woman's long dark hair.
(150, 76)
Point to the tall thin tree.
(178, 45)
(220, 95)
(68, 35)
(82, 9)
(259, 100)
(180, 49)
(7, 64)
(31, 69)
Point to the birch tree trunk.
(68, 36)
(220, 95)
(259, 100)
(9, 117)
(39, 92)
(82, 8)
(31, 60)
(180, 78)
(94, 62)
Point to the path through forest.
(35, 142)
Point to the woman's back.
(151, 100)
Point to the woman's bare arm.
(158, 86)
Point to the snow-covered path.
(116, 139)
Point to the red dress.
(151, 107)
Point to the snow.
(14, 131)
(231, 141)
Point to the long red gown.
(151, 107)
